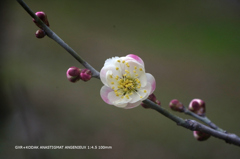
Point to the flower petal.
(117, 100)
(103, 73)
(137, 58)
(106, 71)
(142, 92)
(112, 81)
(111, 61)
(134, 65)
(143, 79)
(133, 105)
(104, 94)
(152, 81)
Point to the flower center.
(128, 83)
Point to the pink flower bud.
(176, 105)
(43, 17)
(85, 75)
(40, 33)
(153, 98)
(73, 74)
(200, 136)
(197, 106)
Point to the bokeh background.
(191, 47)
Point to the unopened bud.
(153, 98)
(197, 106)
(200, 136)
(73, 74)
(176, 105)
(85, 75)
(43, 17)
(40, 33)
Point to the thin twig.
(56, 38)
(194, 125)
(203, 119)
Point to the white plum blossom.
(126, 84)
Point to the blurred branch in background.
(17, 117)
(29, 127)
(4, 108)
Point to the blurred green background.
(191, 47)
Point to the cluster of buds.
(153, 98)
(197, 106)
(41, 33)
(74, 74)
(200, 136)
(176, 105)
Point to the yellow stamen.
(145, 91)
(141, 97)
(112, 82)
(123, 61)
(118, 60)
(140, 69)
(134, 71)
(136, 75)
(113, 87)
(117, 68)
(135, 67)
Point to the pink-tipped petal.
(104, 94)
(152, 81)
(137, 58)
